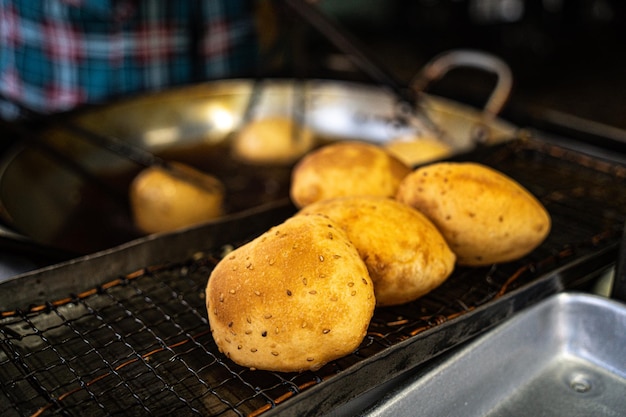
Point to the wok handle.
(446, 61)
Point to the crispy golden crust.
(272, 140)
(293, 299)
(163, 200)
(418, 150)
(485, 216)
(405, 254)
(346, 169)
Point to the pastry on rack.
(346, 169)
(292, 299)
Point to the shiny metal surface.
(82, 205)
(563, 356)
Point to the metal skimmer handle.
(443, 63)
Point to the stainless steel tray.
(565, 356)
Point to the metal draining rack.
(138, 343)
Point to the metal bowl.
(64, 192)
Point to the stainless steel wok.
(64, 192)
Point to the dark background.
(566, 55)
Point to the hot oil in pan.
(102, 218)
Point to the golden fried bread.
(485, 216)
(162, 200)
(405, 254)
(418, 150)
(345, 169)
(272, 140)
(292, 299)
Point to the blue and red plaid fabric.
(57, 54)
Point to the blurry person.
(58, 54)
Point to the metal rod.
(618, 291)
(108, 142)
(351, 46)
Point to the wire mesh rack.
(140, 344)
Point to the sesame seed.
(289, 293)
(253, 350)
(313, 292)
(333, 298)
(249, 320)
(230, 324)
(239, 347)
(326, 331)
(231, 291)
(305, 281)
(264, 334)
(268, 316)
(274, 353)
(350, 284)
(257, 293)
(309, 359)
(321, 258)
(248, 331)
(353, 293)
(221, 297)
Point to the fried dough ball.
(272, 140)
(163, 200)
(405, 254)
(346, 169)
(292, 299)
(418, 150)
(485, 216)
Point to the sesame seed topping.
(253, 350)
(353, 293)
(305, 281)
(264, 334)
(257, 293)
(313, 292)
(248, 331)
(239, 347)
(289, 293)
(221, 297)
(268, 316)
(231, 291)
(274, 353)
(350, 284)
(310, 359)
(326, 331)
(321, 258)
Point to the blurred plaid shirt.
(57, 54)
